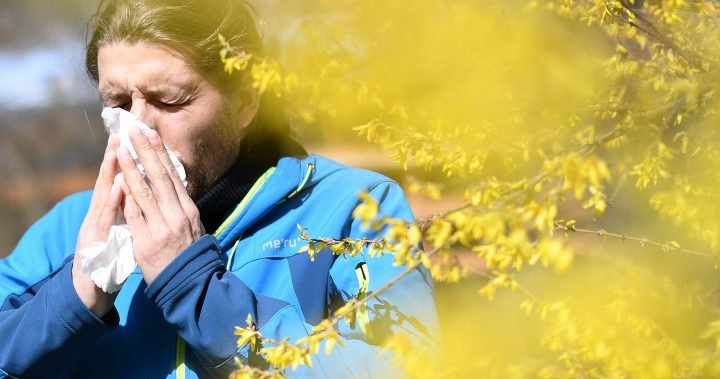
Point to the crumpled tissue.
(108, 264)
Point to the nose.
(142, 111)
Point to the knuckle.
(161, 174)
(172, 172)
(167, 164)
(193, 214)
(161, 154)
(198, 232)
(143, 147)
(132, 211)
(182, 223)
(146, 193)
(143, 143)
(186, 228)
(146, 148)
(166, 237)
(132, 214)
(163, 235)
(105, 208)
(164, 175)
(127, 162)
(156, 143)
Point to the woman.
(210, 255)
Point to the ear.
(247, 102)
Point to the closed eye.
(170, 104)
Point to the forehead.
(137, 65)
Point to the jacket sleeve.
(407, 307)
(44, 326)
(204, 302)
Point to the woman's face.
(159, 87)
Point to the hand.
(102, 214)
(162, 217)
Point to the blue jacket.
(181, 326)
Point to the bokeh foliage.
(581, 138)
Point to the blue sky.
(27, 78)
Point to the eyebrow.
(112, 94)
(174, 90)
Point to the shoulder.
(76, 201)
(63, 221)
(45, 245)
(335, 186)
(56, 231)
(71, 210)
(66, 213)
(328, 172)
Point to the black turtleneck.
(251, 163)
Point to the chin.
(195, 188)
(201, 183)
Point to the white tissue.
(119, 121)
(110, 263)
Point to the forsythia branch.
(635, 20)
(570, 227)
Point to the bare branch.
(668, 246)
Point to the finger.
(107, 165)
(139, 190)
(113, 142)
(134, 218)
(120, 181)
(162, 154)
(105, 178)
(108, 168)
(109, 212)
(161, 181)
(158, 176)
(189, 208)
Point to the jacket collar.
(282, 183)
(255, 156)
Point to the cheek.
(207, 148)
(182, 131)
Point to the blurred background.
(51, 136)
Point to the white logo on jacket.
(280, 243)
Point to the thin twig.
(623, 237)
(710, 9)
(519, 288)
(654, 33)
